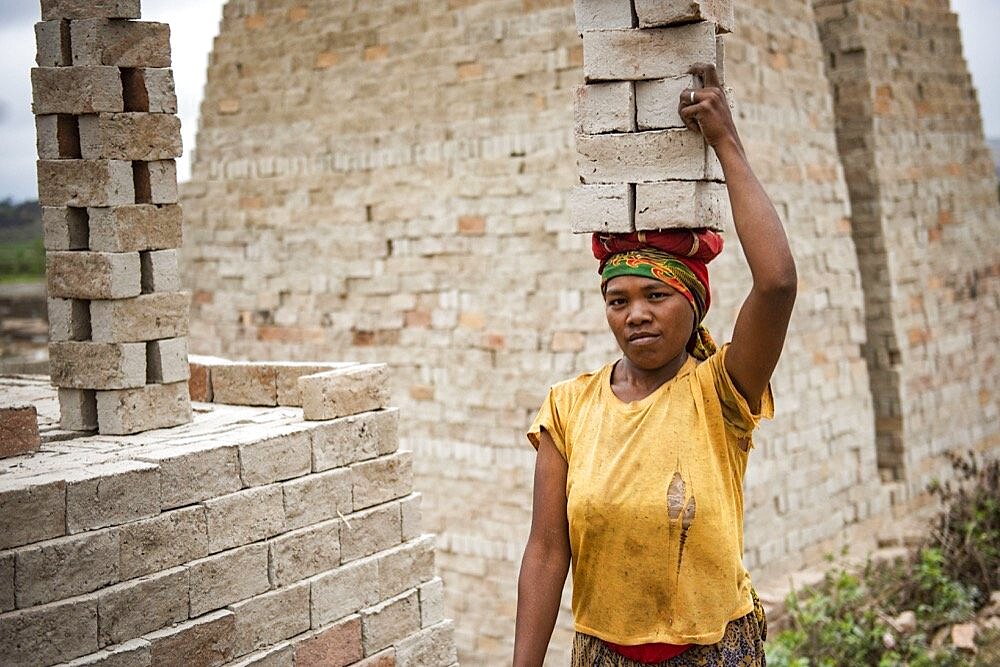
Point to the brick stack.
(108, 134)
(640, 167)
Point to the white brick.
(167, 361)
(344, 392)
(605, 107)
(655, 53)
(641, 157)
(681, 204)
(602, 14)
(653, 13)
(602, 208)
(657, 102)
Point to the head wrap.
(677, 258)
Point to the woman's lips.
(643, 338)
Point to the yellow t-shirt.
(654, 497)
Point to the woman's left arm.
(759, 333)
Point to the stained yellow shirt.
(654, 498)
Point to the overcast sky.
(195, 22)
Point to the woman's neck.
(632, 383)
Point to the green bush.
(22, 260)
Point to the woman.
(640, 465)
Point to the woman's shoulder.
(573, 387)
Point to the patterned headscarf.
(677, 258)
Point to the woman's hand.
(706, 110)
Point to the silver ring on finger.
(692, 97)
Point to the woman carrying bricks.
(639, 472)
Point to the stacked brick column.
(640, 168)
(107, 137)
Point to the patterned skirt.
(742, 645)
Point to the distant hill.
(20, 222)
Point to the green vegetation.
(22, 256)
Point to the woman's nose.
(637, 314)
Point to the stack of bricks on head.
(108, 134)
(640, 168)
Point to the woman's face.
(651, 321)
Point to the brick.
(88, 9)
(65, 228)
(240, 383)
(49, 634)
(163, 542)
(142, 605)
(153, 406)
(605, 107)
(655, 53)
(53, 45)
(602, 14)
(432, 647)
(18, 430)
(602, 208)
(92, 275)
(166, 361)
(111, 494)
(57, 137)
(120, 43)
(305, 552)
(31, 510)
(69, 319)
(681, 204)
(317, 497)
(279, 655)
(381, 480)
(343, 591)
(135, 228)
(85, 183)
(641, 157)
(142, 318)
(344, 392)
(410, 515)
(355, 438)
(7, 582)
(162, 181)
(657, 102)
(158, 88)
(76, 90)
(84, 365)
(370, 531)
(389, 622)
(653, 13)
(192, 474)
(431, 602)
(130, 136)
(288, 379)
(270, 618)
(206, 641)
(244, 517)
(406, 566)
(134, 653)
(336, 646)
(65, 567)
(276, 458)
(160, 271)
(77, 409)
(386, 658)
(228, 577)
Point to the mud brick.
(134, 653)
(85, 183)
(431, 647)
(355, 438)
(51, 633)
(148, 407)
(335, 646)
(641, 157)
(410, 515)
(605, 107)
(389, 622)
(602, 208)
(142, 318)
(270, 618)
(681, 204)
(228, 577)
(240, 383)
(652, 13)
(111, 494)
(206, 641)
(345, 590)
(129, 136)
(92, 275)
(57, 137)
(305, 552)
(65, 228)
(602, 14)
(244, 517)
(162, 182)
(386, 658)
(194, 473)
(369, 531)
(18, 430)
(381, 480)
(85, 365)
(163, 542)
(31, 510)
(6, 582)
(166, 361)
(317, 497)
(120, 43)
(406, 566)
(76, 90)
(656, 53)
(274, 459)
(135, 228)
(657, 101)
(90, 9)
(432, 602)
(69, 319)
(142, 605)
(160, 271)
(77, 409)
(344, 392)
(289, 374)
(65, 567)
(53, 45)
